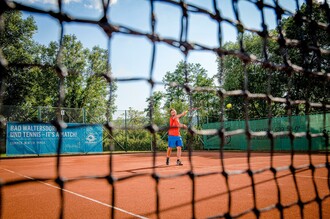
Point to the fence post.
(84, 115)
(39, 113)
(126, 137)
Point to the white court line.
(79, 195)
(237, 165)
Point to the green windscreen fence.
(316, 124)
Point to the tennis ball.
(229, 106)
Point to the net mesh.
(289, 69)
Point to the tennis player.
(174, 137)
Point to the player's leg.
(168, 155)
(179, 151)
(171, 144)
(178, 160)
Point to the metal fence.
(43, 114)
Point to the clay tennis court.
(136, 190)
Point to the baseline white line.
(79, 195)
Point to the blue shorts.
(174, 141)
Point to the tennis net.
(305, 57)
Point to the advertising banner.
(33, 138)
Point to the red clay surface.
(135, 196)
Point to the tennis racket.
(192, 109)
(191, 115)
(189, 125)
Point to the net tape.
(186, 47)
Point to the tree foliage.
(304, 28)
(180, 85)
(155, 104)
(238, 75)
(36, 83)
(18, 47)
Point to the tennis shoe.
(179, 163)
(167, 161)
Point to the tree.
(175, 95)
(33, 81)
(85, 86)
(17, 47)
(43, 87)
(298, 86)
(188, 75)
(308, 86)
(250, 76)
(156, 103)
(97, 89)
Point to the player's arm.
(182, 114)
(183, 126)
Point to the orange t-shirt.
(174, 127)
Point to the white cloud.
(322, 1)
(52, 2)
(69, 1)
(95, 4)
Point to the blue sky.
(131, 56)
